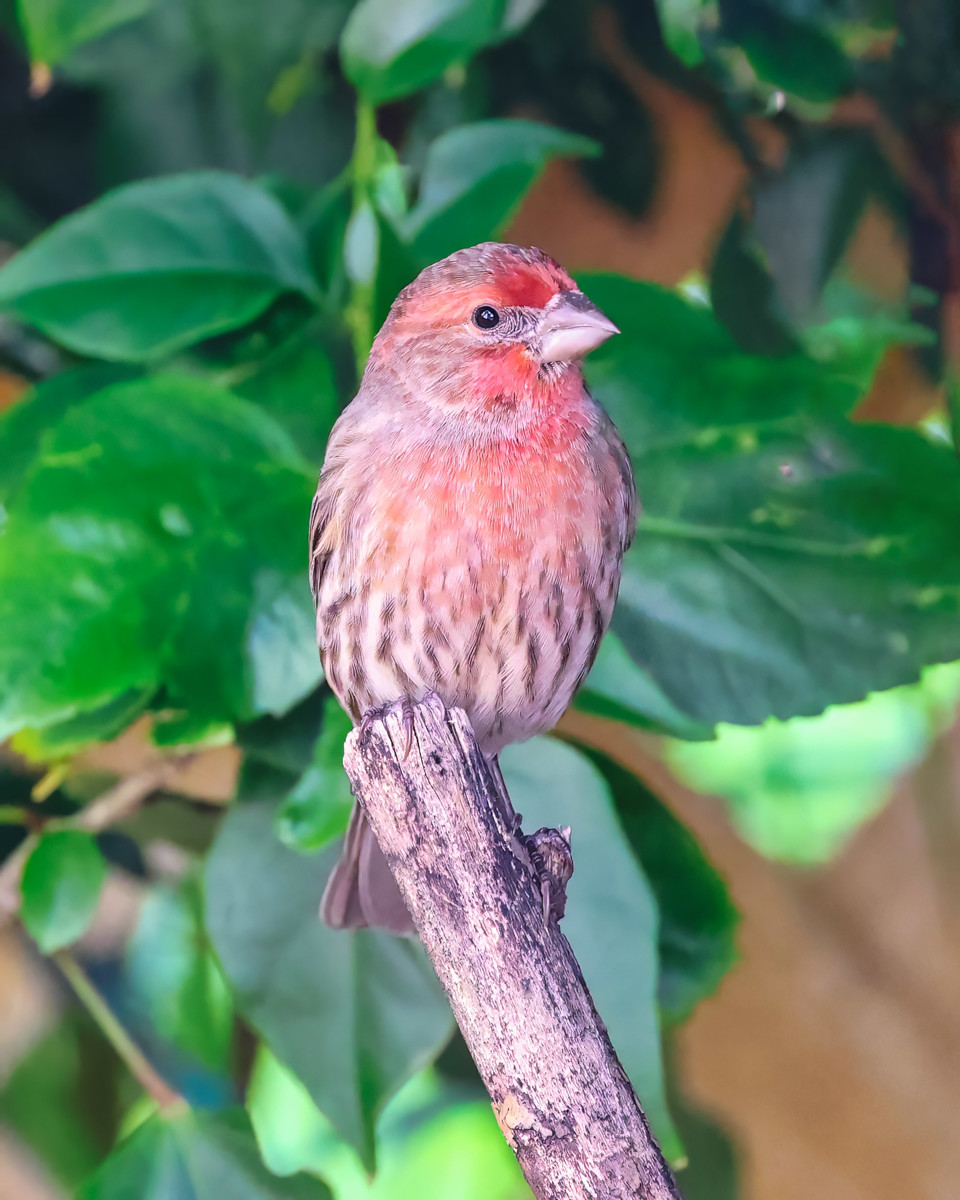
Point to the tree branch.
(480, 906)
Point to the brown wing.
(627, 500)
(631, 504)
(320, 513)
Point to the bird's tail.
(361, 889)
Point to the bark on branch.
(559, 1093)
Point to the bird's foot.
(549, 851)
(546, 854)
(406, 709)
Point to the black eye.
(486, 317)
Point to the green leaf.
(680, 22)
(265, 54)
(23, 426)
(296, 386)
(434, 1142)
(744, 295)
(353, 1015)
(856, 331)
(55, 27)
(174, 979)
(83, 730)
(805, 214)
(158, 265)
(712, 1171)
(361, 245)
(194, 1157)
(698, 922)
(798, 790)
(389, 51)
(38, 1099)
(611, 916)
(475, 177)
(618, 689)
(787, 559)
(61, 886)
(318, 808)
(285, 744)
(157, 541)
(796, 56)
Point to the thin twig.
(122, 800)
(136, 1061)
(116, 804)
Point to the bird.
(469, 526)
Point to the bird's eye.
(486, 317)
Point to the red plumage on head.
(491, 273)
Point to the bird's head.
(492, 321)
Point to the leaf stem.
(359, 314)
(131, 1054)
(785, 542)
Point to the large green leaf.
(475, 177)
(174, 979)
(194, 1157)
(798, 56)
(698, 922)
(23, 426)
(61, 885)
(787, 558)
(158, 265)
(390, 50)
(620, 690)
(611, 917)
(297, 387)
(55, 27)
(157, 540)
(354, 1015)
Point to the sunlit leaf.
(797, 790)
(434, 1142)
(157, 540)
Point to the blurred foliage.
(209, 208)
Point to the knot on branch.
(552, 860)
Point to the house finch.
(470, 521)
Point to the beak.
(572, 326)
